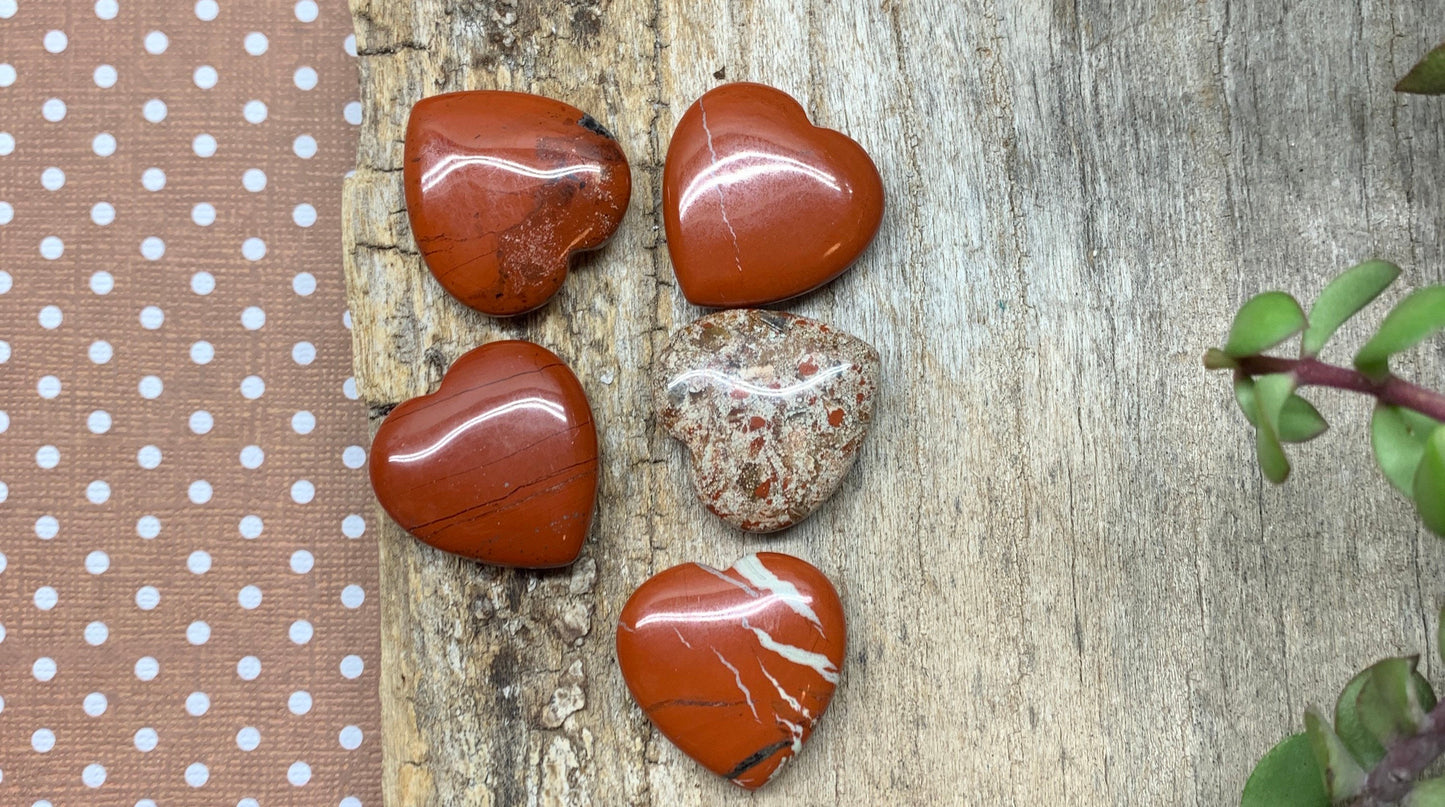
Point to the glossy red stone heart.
(735, 667)
(499, 464)
(502, 188)
(759, 204)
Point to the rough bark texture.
(1065, 580)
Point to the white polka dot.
(199, 492)
(153, 179)
(254, 112)
(256, 43)
(48, 387)
(152, 317)
(53, 110)
(97, 492)
(248, 668)
(205, 77)
(147, 598)
(52, 179)
(252, 457)
(96, 633)
(7, 144)
(306, 10)
(56, 41)
(248, 802)
(198, 562)
(203, 214)
(254, 180)
(349, 44)
(197, 704)
(156, 42)
(50, 317)
(148, 527)
(97, 562)
(102, 213)
(7, 213)
(46, 527)
(197, 774)
(251, 527)
(4, 355)
(304, 215)
(253, 249)
(42, 740)
(149, 457)
(302, 491)
(95, 704)
(106, 9)
(207, 10)
(204, 145)
(146, 667)
(103, 145)
(93, 776)
(154, 110)
(253, 318)
(303, 422)
(302, 561)
(198, 633)
(146, 740)
(352, 113)
(98, 422)
(298, 774)
(300, 632)
(305, 78)
(46, 598)
(201, 422)
(203, 283)
(353, 526)
(202, 352)
(249, 598)
(105, 76)
(145, 803)
(150, 387)
(304, 146)
(6, 282)
(303, 353)
(7, 74)
(299, 703)
(44, 668)
(100, 352)
(304, 284)
(47, 457)
(252, 387)
(350, 801)
(350, 738)
(248, 738)
(353, 457)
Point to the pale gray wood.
(1066, 582)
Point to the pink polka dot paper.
(187, 582)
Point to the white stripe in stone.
(753, 570)
(738, 677)
(752, 592)
(819, 663)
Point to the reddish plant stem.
(1315, 373)
(1390, 782)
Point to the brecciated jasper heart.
(503, 187)
(773, 408)
(734, 667)
(499, 464)
(759, 204)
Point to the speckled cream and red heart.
(499, 464)
(735, 667)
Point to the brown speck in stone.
(757, 422)
(807, 368)
(835, 418)
(761, 491)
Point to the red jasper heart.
(735, 667)
(499, 464)
(502, 188)
(759, 204)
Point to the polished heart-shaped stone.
(499, 464)
(772, 407)
(735, 667)
(502, 188)
(759, 204)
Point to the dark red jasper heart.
(502, 188)
(735, 667)
(499, 464)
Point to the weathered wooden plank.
(1066, 582)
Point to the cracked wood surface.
(1065, 580)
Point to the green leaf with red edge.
(1398, 436)
(1415, 319)
(1427, 77)
(1287, 776)
(1343, 298)
(1265, 321)
(1392, 704)
(1364, 745)
(1429, 487)
(1344, 778)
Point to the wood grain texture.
(1065, 580)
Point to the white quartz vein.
(753, 570)
(721, 205)
(738, 677)
(752, 592)
(820, 663)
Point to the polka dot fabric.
(187, 589)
